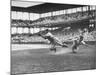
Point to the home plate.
(60, 51)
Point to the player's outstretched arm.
(43, 36)
(70, 39)
(84, 43)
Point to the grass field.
(38, 60)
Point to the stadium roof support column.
(39, 15)
(51, 13)
(29, 31)
(29, 16)
(89, 12)
(82, 10)
(22, 30)
(64, 11)
(16, 30)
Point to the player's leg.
(62, 44)
(77, 48)
(74, 47)
(59, 42)
(53, 48)
(82, 42)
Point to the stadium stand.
(73, 19)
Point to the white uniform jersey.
(56, 40)
(49, 34)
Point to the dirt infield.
(36, 59)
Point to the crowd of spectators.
(61, 18)
(62, 35)
(53, 19)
